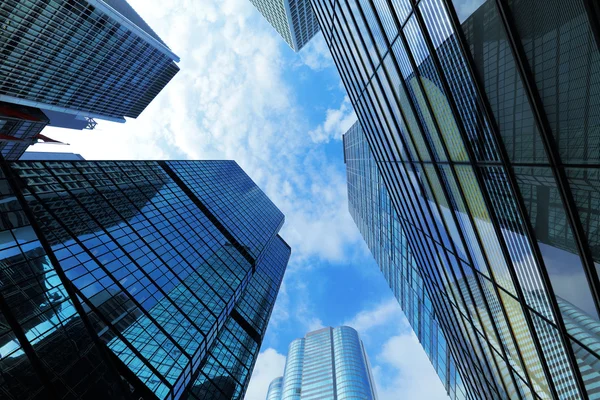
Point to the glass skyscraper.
(329, 363)
(372, 210)
(128, 280)
(88, 58)
(482, 121)
(294, 20)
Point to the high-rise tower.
(294, 20)
(85, 58)
(481, 122)
(376, 218)
(329, 363)
(134, 279)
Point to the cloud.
(230, 101)
(269, 365)
(380, 315)
(315, 54)
(337, 123)
(403, 371)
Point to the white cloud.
(230, 101)
(380, 315)
(315, 54)
(403, 371)
(269, 365)
(315, 324)
(337, 123)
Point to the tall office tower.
(329, 363)
(129, 280)
(84, 58)
(371, 209)
(294, 20)
(482, 120)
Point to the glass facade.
(330, 363)
(274, 391)
(19, 127)
(134, 279)
(372, 210)
(292, 19)
(482, 121)
(83, 57)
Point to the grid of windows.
(74, 56)
(303, 22)
(274, 391)
(294, 20)
(371, 209)
(275, 13)
(480, 123)
(329, 363)
(236, 201)
(234, 353)
(166, 292)
(292, 380)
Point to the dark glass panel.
(555, 238)
(495, 65)
(564, 58)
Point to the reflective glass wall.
(372, 211)
(81, 56)
(482, 119)
(164, 290)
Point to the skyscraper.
(85, 58)
(371, 209)
(328, 363)
(134, 279)
(294, 20)
(482, 122)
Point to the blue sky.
(244, 95)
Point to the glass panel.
(387, 20)
(466, 8)
(358, 30)
(492, 54)
(487, 233)
(370, 22)
(404, 155)
(589, 366)
(555, 238)
(459, 81)
(412, 128)
(523, 336)
(418, 99)
(402, 8)
(435, 94)
(446, 210)
(564, 58)
(517, 243)
(554, 352)
(585, 186)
